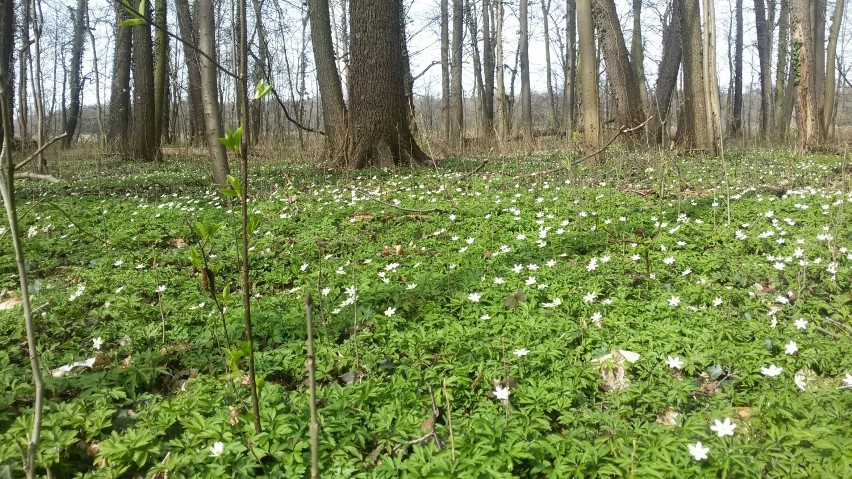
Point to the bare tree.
(456, 92)
(570, 84)
(119, 103)
(694, 129)
(637, 56)
(785, 79)
(551, 100)
(830, 108)
(502, 107)
(75, 71)
(144, 144)
(189, 32)
(807, 114)
(524, 53)
(379, 114)
(764, 52)
(473, 30)
(331, 92)
(488, 69)
(667, 74)
(711, 83)
(589, 78)
(445, 68)
(209, 91)
(161, 70)
(735, 124)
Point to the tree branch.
(39, 151)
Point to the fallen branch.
(39, 151)
(475, 171)
(576, 162)
(36, 176)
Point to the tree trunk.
(445, 69)
(736, 123)
(119, 102)
(783, 95)
(502, 113)
(764, 51)
(660, 103)
(331, 92)
(570, 94)
(379, 115)
(456, 92)
(551, 99)
(161, 70)
(262, 67)
(693, 131)
(209, 92)
(188, 31)
(7, 32)
(818, 8)
(637, 56)
(589, 79)
(144, 144)
(488, 70)
(526, 91)
(620, 74)
(828, 111)
(75, 73)
(807, 113)
(473, 29)
(711, 83)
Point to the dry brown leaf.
(10, 303)
(667, 417)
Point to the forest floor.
(616, 321)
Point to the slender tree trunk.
(7, 37)
(488, 70)
(551, 99)
(119, 103)
(693, 131)
(620, 73)
(736, 123)
(209, 92)
(379, 114)
(331, 92)
(23, 56)
(473, 29)
(456, 92)
(38, 86)
(526, 90)
(783, 108)
(711, 83)
(807, 113)
(502, 113)
(828, 111)
(570, 85)
(189, 32)
(764, 53)
(262, 65)
(666, 77)
(445, 69)
(818, 9)
(637, 55)
(161, 70)
(98, 106)
(75, 72)
(589, 78)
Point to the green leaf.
(141, 9)
(261, 89)
(133, 22)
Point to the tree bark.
(445, 69)
(188, 31)
(807, 114)
(829, 109)
(736, 123)
(570, 86)
(473, 29)
(783, 94)
(620, 74)
(379, 115)
(818, 9)
(144, 144)
(764, 50)
(526, 91)
(693, 131)
(75, 73)
(660, 103)
(637, 56)
(456, 92)
(7, 38)
(161, 70)
(589, 79)
(209, 92)
(502, 107)
(711, 83)
(331, 92)
(262, 67)
(488, 70)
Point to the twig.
(38, 152)
(576, 162)
(423, 72)
(450, 421)
(312, 381)
(474, 171)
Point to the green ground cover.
(501, 282)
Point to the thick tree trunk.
(209, 92)
(735, 124)
(764, 51)
(188, 32)
(456, 92)
(488, 70)
(807, 114)
(144, 145)
(660, 103)
(570, 85)
(620, 74)
(589, 79)
(331, 92)
(75, 73)
(829, 109)
(524, 52)
(445, 69)
(379, 115)
(551, 98)
(711, 83)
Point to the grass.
(501, 279)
